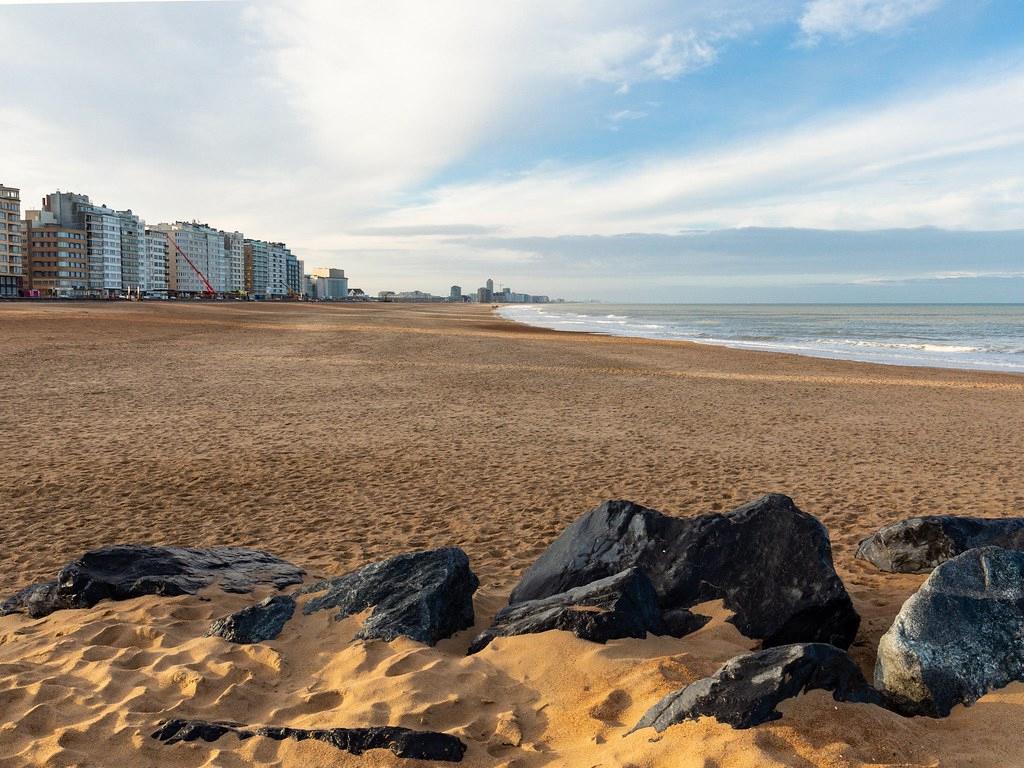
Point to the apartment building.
(56, 259)
(293, 275)
(11, 266)
(271, 269)
(102, 227)
(234, 249)
(204, 247)
(278, 269)
(257, 265)
(133, 251)
(153, 275)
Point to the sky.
(696, 150)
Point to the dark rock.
(125, 571)
(958, 636)
(426, 596)
(919, 544)
(769, 562)
(263, 621)
(745, 691)
(403, 742)
(623, 605)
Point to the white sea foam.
(951, 336)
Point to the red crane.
(208, 289)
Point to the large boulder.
(126, 571)
(745, 691)
(958, 636)
(426, 596)
(769, 562)
(623, 605)
(919, 544)
(256, 623)
(403, 742)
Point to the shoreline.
(779, 348)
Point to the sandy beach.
(336, 435)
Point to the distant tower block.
(456, 293)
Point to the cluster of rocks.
(623, 570)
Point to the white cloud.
(847, 18)
(916, 162)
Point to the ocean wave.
(998, 343)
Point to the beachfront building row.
(73, 248)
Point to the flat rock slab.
(769, 562)
(426, 596)
(959, 636)
(263, 621)
(745, 691)
(918, 544)
(403, 742)
(125, 571)
(623, 605)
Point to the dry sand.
(335, 435)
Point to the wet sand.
(336, 435)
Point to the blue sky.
(861, 150)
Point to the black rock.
(958, 636)
(426, 596)
(919, 544)
(263, 621)
(770, 563)
(623, 605)
(418, 745)
(125, 571)
(745, 691)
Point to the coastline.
(920, 353)
(335, 435)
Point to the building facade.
(133, 251)
(204, 248)
(257, 261)
(102, 227)
(329, 284)
(56, 259)
(11, 256)
(234, 250)
(156, 263)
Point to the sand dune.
(333, 436)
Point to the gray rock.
(126, 571)
(426, 596)
(745, 691)
(770, 563)
(623, 605)
(263, 621)
(403, 742)
(919, 544)
(958, 636)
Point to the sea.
(969, 336)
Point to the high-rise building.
(204, 247)
(456, 293)
(133, 250)
(330, 283)
(293, 275)
(103, 229)
(11, 266)
(56, 260)
(481, 296)
(270, 269)
(158, 256)
(234, 250)
(257, 260)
